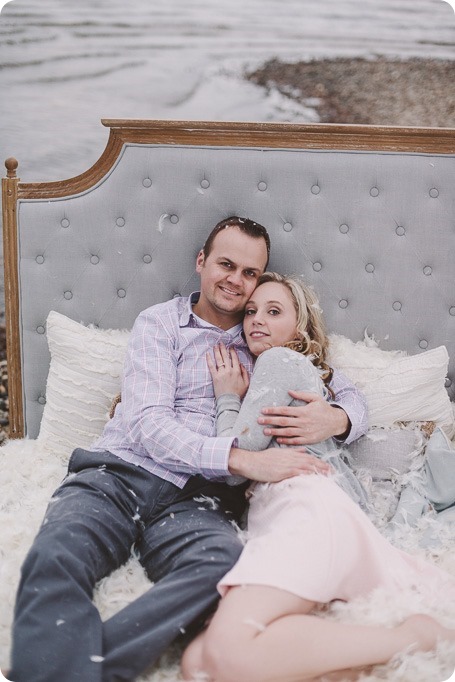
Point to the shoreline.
(380, 91)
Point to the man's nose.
(235, 276)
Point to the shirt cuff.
(349, 437)
(215, 456)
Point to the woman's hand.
(228, 374)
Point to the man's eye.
(226, 265)
(250, 273)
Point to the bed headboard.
(366, 214)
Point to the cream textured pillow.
(398, 387)
(84, 376)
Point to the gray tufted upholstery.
(373, 232)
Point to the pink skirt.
(308, 537)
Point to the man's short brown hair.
(246, 225)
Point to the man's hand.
(305, 424)
(275, 464)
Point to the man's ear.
(200, 260)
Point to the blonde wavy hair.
(312, 337)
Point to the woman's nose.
(258, 319)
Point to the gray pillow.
(385, 454)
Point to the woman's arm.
(277, 371)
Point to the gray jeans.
(102, 509)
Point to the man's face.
(229, 276)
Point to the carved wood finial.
(11, 167)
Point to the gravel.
(413, 92)
(4, 409)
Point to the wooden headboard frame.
(245, 135)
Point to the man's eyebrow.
(247, 267)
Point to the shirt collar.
(189, 319)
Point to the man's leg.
(87, 532)
(186, 549)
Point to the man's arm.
(345, 417)
(274, 464)
(149, 412)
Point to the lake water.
(64, 65)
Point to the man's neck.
(217, 319)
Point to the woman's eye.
(249, 312)
(274, 311)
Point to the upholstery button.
(400, 231)
(174, 219)
(42, 400)
(121, 293)
(94, 260)
(434, 193)
(205, 184)
(344, 229)
(396, 305)
(287, 227)
(65, 222)
(427, 270)
(448, 382)
(369, 267)
(315, 189)
(374, 192)
(423, 344)
(40, 260)
(343, 303)
(317, 267)
(452, 310)
(147, 258)
(262, 186)
(40, 329)
(68, 295)
(147, 182)
(120, 222)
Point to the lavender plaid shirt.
(167, 418)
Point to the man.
(156, 479)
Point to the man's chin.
(230, 305)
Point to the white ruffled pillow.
(397, 386)
(84, 376)
(87, 363)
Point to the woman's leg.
(263, 634)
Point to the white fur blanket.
(28, 476)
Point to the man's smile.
(228, 291)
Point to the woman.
(308, 541)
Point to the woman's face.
(270, 317)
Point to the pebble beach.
(381, 91)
